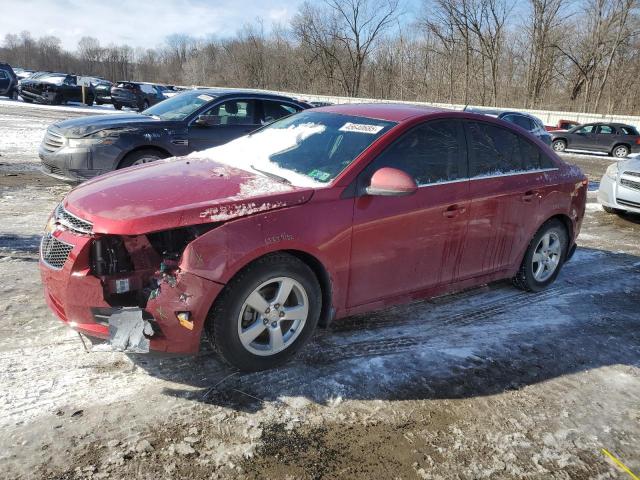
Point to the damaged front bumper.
(108, 306)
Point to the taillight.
(638, 141)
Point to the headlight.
(612, 171)
(103, 137)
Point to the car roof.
(391, 112)
(223, 92)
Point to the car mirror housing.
(391, 182)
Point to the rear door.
(406, 244)
(507, 173)
(226, 120)
(606, 137)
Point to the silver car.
(619, 189)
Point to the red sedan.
(326, 213)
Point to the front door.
(406, 244)
(584, 138)
(222, 123)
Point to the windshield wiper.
(272, 175)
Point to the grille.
(54, 252)
(632, 174)
(628, 203)
(72, 222)
(52, 141)
(630, 184)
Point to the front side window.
(497, 151)
(305, 149)
(232, 112)
(431, 153)
(585, 129)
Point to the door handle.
(453, 211)
(529, 196)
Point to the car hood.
(630, 164)
(175, 193)
(83, 126)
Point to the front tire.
(117, 106)
(140, 157)
(266, 313)
(544, 257)
(559, 145)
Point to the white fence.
(548, 117)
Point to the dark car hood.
(82, 126)
(174, 193)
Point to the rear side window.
(496, 151)
(606, 130)
(629, 131)
(275, 110)
(520, 120)
(430, 153)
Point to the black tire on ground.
(222, 322)
(132, 158)
(525, 278)
(559, 145)
(620, 151)
(117, 106)
(615, 211)
(14, 95)
(98, 102)
(57, 100)
(89, 103)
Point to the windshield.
(55, 79)
(179, 106)
(306, 149)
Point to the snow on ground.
(71, 107)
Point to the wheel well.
(161, 151)
(565, 220)
(619, 144)
(559, 138)
(326, 314)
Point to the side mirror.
(391, 182)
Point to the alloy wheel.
(546, 257)
(272, 316)
(620, 152)
(142, 160)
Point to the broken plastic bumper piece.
(129, 331)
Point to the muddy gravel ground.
(487, 383)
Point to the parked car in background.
(81, 148)
(562, 125)
(23, 73)
(616, 139)
(54, 89)
(138, 95)
(406, 203)
(102, 90)
(528, 122)
(8, 81)
(619, 189)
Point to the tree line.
(575, 55)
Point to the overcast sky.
(139, 23)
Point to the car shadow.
(483, 341)
(25, 247)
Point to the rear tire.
(559, 145)
(117, 106)
(544, 257)
(267, 336)
(140, 157)
(620, 151)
